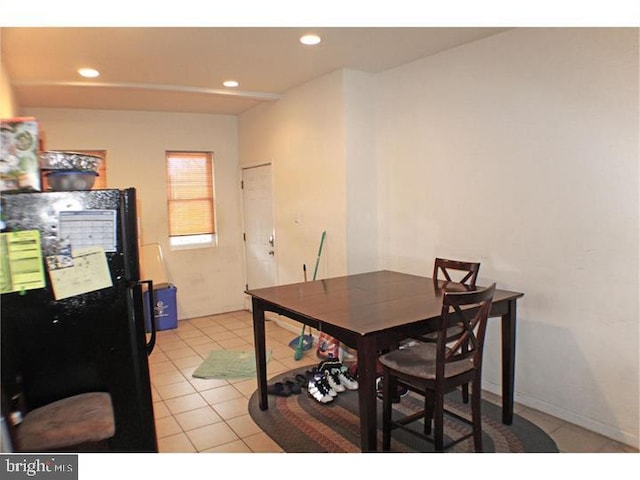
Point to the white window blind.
(190, 193)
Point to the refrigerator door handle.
(152, 339)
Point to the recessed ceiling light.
(88, 72)
(310, 39)
(230, 83)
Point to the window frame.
(179, 194)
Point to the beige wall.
(209, 280)
(8, 105)
(521, 151)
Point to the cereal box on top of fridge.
(19, 149)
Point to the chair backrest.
(445, 267)
(469, 310)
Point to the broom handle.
(315, 271)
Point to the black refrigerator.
(67, 336)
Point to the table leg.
(261, 352)
(508, 362)
(367, 358)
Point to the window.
(190, 198)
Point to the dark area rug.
(299, 424)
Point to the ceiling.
(181, 69)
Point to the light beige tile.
(192, 361)
(574, 439)
(185, 403)
(175, 390)
(162, 367)
(205, 349)
(182, 352)
(274, 367)
(202, 384)
(262, 443)
(222, 335)
(282, 352)
(546, 422)
(219, 333)
(232, 447)
(169, 345)
(188, 332)
(211, 436)
(612, 446)
(244, 425)
(161, 379)
(199, 417)
(166, 336)
(160, 410)
(244, 331)
(157, 356)
(235, 343)
(202, 339)
(215, 329)
(167, 426)
(178, 443)
(221, 394)
(155, 396)
(232, 408)
(246, 387)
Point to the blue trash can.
(165, 310)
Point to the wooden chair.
(447, 267)
(434, 369)
(464, 273)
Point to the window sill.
(193, 242)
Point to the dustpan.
(307, 342)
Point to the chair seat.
(87, 417)
(419, 361)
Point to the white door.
(258, 223)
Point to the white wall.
(521, 151)
(362, 201)
(303, 136)
(208, 280)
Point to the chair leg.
(465, 387)
(476, 417)
(388, 388)
(438, 422)
(465, 393)
(428, 412)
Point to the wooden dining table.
(371, 312)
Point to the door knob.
(271, 252)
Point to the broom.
(297, 355)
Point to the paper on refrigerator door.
(89, 272)
(21, 261)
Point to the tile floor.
(195, 415)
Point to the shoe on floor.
(279, 389)
(347, 379)
(319, 390)
(339, 377)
